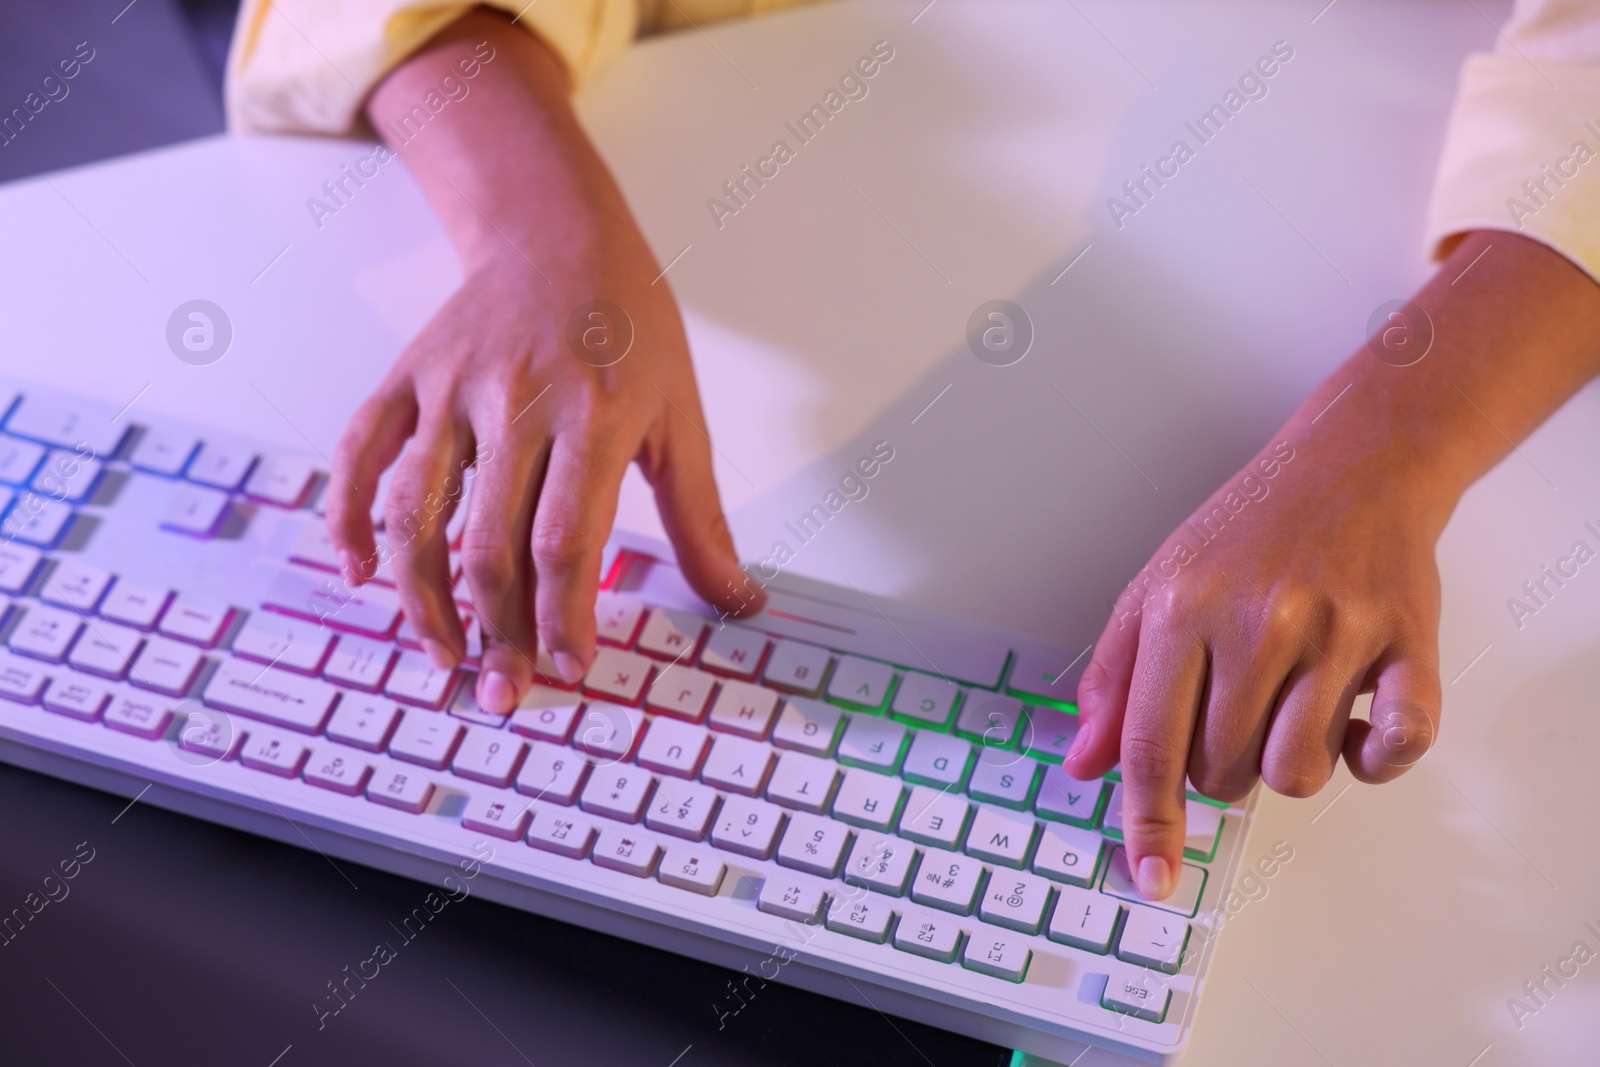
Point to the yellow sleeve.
(307, 66)
(1522, 150)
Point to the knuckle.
(488, 567)
(1220, 783)
(559, 548)
(1292, 778)
(1149, 759)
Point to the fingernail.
(1080, 744)
(1155, 877)
(569, 667)
(496, 694)
(348, 564)
(439, 654)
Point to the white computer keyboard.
(843, 793)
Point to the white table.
(830, 313)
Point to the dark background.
(181, 942)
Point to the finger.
(1308, 727)
(570, 529)
(1163, 702)
(1406, 709)
(496, 567)
(1249, 669)
(371, 441)
(691, 510)
(414, 516)
(1103, 693)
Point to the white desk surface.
(831, 311)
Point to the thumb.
(691, 510)
(1405, 717)
(1103, 692)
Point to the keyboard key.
(67, 423)
(617, 675)
(406, 790)
(426, 737)
(1002, 955)
(813, 844)
(872, 742)
(359, 663)
(552, 773)
(934, 817)
(18, 565)
(1003, 777)
(283, 641)
(1064, 797)
(673, 747)
(929, 934)
(372, 609)
(1185, 899)
(808, 726)
(195, 510)
(164, 451)
(1001, 837)
(682, 809)
(617, 791)
(415, 680)
(860, 683)
(747, 826)
(45, 633)
(988, 719)
(222, 465)
(801, 781)
(363, 722)
(18, 460)
(563, 834)
(947, 881)
(868, 799)
(68, 476)
(867, 917)
(1084, 919)
(1137, 992)
(497, 815)
(789, 897)
(937, 759)
(21, 682)
(76, 697)
(274, 754)
(681, 691)
(489, 756)
(272, 695)
(694, 869)
(313, 546)
(209, 734)
(75, 584)
(734, 651)
(106, 649)
(926, 700)
(552, 722)
(737, 764)
(880, 862)
(627, 852)
(797, 668)
(610, 731)
(281, 480)
(131, 604)
(1152, 938)
(198, 620)
(744, 709)
(37, 521)
(1042, 671)
(617, 619)
(1015, 901)
(671, 634)
(342, 772)
(1069, 854)
(1048, 734)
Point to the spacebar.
(938, 650)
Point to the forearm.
(504, 165)
(1514, 336)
